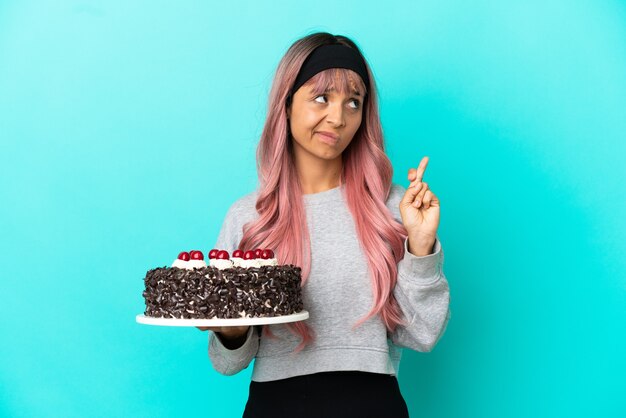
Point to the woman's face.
(323, 125)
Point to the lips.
(329, 135)
(328, 138)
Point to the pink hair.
(367, 174)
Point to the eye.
(357, 104)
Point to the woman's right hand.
(228, 333)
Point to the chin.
(329, 156)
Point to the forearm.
(423, 294)
(229, 361)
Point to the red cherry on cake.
(223, 255)
(238, 253)
(213, 253)
(266, 254)
(257, 253)
(184, 256)
(248, 255)
(196, 255)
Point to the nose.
(335, 114)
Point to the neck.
(317, 175)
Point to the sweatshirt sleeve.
(225, 361)
(424, 297)
(422, 292)
(230, 362)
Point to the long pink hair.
(366, 174)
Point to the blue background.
(127, 129)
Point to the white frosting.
(181, 264)
(269, 262)
(195, 263)
(220, 264)
(254, 262)
(189, 265)
(225, 264)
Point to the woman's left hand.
(419, 209)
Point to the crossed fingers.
(416, 176)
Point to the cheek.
(304, 120)
(310, 120)
(357, 124)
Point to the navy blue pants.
(341, 394)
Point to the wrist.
(421, 248)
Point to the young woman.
(371, 259)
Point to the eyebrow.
(355, 92)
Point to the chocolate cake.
(229, 291)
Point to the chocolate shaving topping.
(207, 292)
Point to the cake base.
(222, 322)
(232, 293)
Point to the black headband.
(331, 56)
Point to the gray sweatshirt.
(337, 294)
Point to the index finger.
(419, 175)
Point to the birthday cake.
(248, 285)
